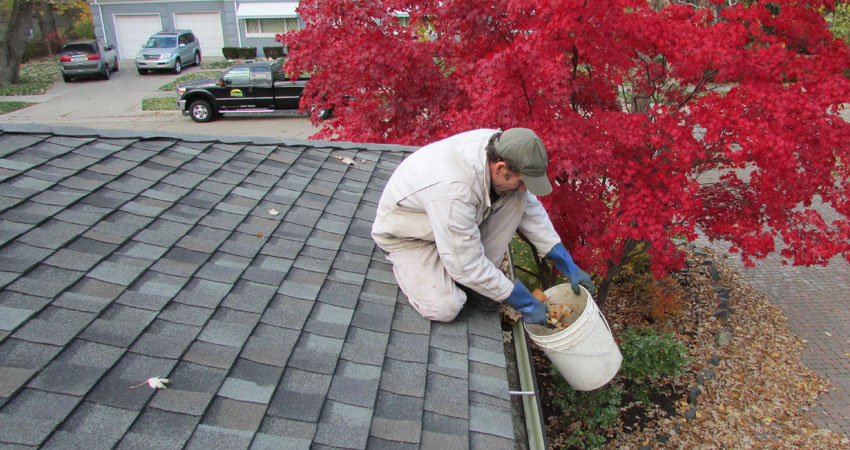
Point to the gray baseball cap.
(524, 150)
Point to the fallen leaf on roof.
(346, 160)
(154, 383)
(274, 212)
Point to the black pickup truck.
(245, 88)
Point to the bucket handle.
(606, 321)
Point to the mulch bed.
(751, 389)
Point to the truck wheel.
(325, 114)
(177, 66)
(201, 111)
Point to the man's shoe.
(479, 301)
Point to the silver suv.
(170, 50)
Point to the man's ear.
(500, 167)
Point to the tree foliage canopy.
(661, 119)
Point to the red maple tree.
(662, 119)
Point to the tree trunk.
(47, 24)
(12, 41)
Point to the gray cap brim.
(538, 186)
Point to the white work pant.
(423, 278)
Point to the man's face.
(504, 181)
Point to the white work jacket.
(440, 195)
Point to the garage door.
(206, 27)
(133, 31)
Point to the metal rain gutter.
(533, 412)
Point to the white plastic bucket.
(585, 352)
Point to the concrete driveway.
(117, 104)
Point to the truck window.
(262, 76)
(238, 75)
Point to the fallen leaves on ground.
(760, 393)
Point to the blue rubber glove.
(564, 262)
(533, 310)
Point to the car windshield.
(161, 42)
(78, 49)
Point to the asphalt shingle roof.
(128, 255)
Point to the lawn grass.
(6, 107)
(198, 75)
(37, 77)
(159, 104)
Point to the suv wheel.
(142, 71)
(197, 59)
(201, 111)
(177, 66)
(106, 71)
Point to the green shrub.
(239, 52)
(647, 356)
(273, 52)
(83, 29)
(588, 414)
(35, 50)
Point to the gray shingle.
(31, 213)
(480, 441)
(45, 281)
(11, 318)
(316, 353)
(234, 414)
(287, 312)
(355, 384)
(343, 425)
(404, 377)
(119, 270)
(407, 320)
(19, 257)
(329, 320)
(212, 355)
(246, 242)
(489, 420)
(249, 296)
(92, 426)
(376, 292)
(77, 369)
(270, 345)
(300, 395)
(54, 325)
(203, 293)
(268, 270)
(408, 347)
(339, 294)
(284, 434)
(26, 355)
(165, 339)
(302, 284)
(441, 432)
(364, 346)
(397, 417)
(448, 363)
(32, 415)
(156, 429)
(206, 437)
(89, 295)
(119, 325)
(447, 396)
(131, 370)
(223, 268)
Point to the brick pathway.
(816, 301)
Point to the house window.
(270, 27)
